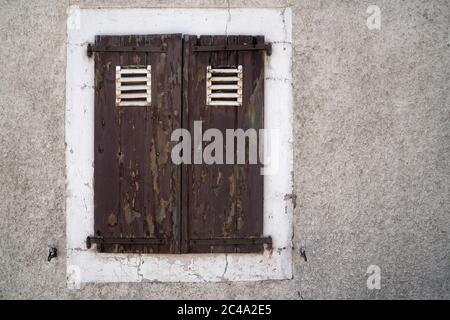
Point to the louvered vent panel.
(224, 86)
(133, 86)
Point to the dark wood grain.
(224, 200)
(138, 192)
(106, 144)
(137, 187)
(249, 181)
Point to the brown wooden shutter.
(136, 185)
(145, 203)
(223, 203)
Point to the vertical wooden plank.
(147, 227)
(222, 177)
(162, 177)
(234, 62)
(152, 170)
(106, 143)
(174, 117)
(185, 183)
(166, 118)
(250, 183)
(197, 210)
(132, 130)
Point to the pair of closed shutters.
(145, 88)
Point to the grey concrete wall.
(372, 150)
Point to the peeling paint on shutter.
(136, 185)
(142, 201)
(223, 203)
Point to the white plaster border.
(91, 266)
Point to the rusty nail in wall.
(52, 253)
(303, 252)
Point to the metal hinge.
(235, 47)
(91, 48)
(232, 241)
(124, 241)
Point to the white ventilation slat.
(134, 104)
(133, 95)
(224, 79)
(134, 88)
(133, 78)
(224, 95)
(223, 70)
(224, 86)
(224, 103)
(133, 71)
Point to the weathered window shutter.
(146, 87)
(222, 207)
(136, 185)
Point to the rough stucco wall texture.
(372, 150)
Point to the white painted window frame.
(85, 265)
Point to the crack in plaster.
(283, 15)
(281, 79)
(139, 271)
(222, 277)
(229, 17)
